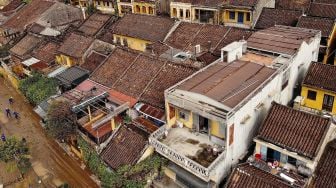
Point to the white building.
(212, 116)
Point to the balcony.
(191, 150)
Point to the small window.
(171, 112)
(98, 2)
(248, 16)
(144, 10)
(291, 160)
(151, 10)
(232, 15)
(107, 3)
(125, 42)
(137, 9)
(118, 40)
(311, 95)
(181, 13)
(174, 12)
(183, 115)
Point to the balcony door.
(328, 102)
(203, 124)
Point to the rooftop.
(228, 83)
(247, 174)
(281, 39)
(142, 27)
(93, 61)
(28, 14)
(187, 35)
(321, 76)
(322, 10)
(126, 146)
(325, 25)
(26, 45)
(294, 130)
(75, 45)
(12, 6)
(70, 76)
(140, 76)
(192, 145)
(94, 23)
(46, 52)
(301, 5)
(326, 169)
(270, 17)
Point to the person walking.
(8, 112)
(16, 115)
(11, 100)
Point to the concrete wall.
(133, 43)
(316, 104)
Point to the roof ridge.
(193, 38)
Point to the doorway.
(328, 102)
(203, 124)
(240, 17)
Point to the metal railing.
(190, 165)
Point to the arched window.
(144, 10)
(150, 10)
(137, 9)
(174, 12)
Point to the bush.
(38, 88)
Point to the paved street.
(49, 161)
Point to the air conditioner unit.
(198, 49)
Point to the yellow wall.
(317, 104)
(331, 45)
(141, 5)
(226, 16)
(133, 43)
(214, 125)
(65, 60)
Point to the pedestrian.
(16, 115)
(11, 100)
(3, 137)
(8, 112)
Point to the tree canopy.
(38, 88)
(60, 121)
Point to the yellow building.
(318, 88)
(327, 27)
(142, 33)
(73, 50)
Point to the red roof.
(100, 131)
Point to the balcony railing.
(183, 161)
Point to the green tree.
(60, 121)
(38, 88)
(91, 9)
(15, 150)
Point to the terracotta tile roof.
(102, 132)
(168, 76)
(207, 58)
(187, 35)
(325, 1)
(139, 76)
(149, 28)
(59, 15)
(245, 3)
(140, 73)
(28, 14)
(26, 45)
(326, 169)
(46, 52)
(75, 45)
(228, 83)
(235, 34)
(292, 4)
(152, 111)
(270, 17)
(294, 130)
(93, 61)
(321, 76)
(280, 39)
(118, 62)
(13, 5)
(94, 23)
(183, 35)
(39, 66)
(126, 146)
(247, 175)
(326, 25)
(322, 10)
